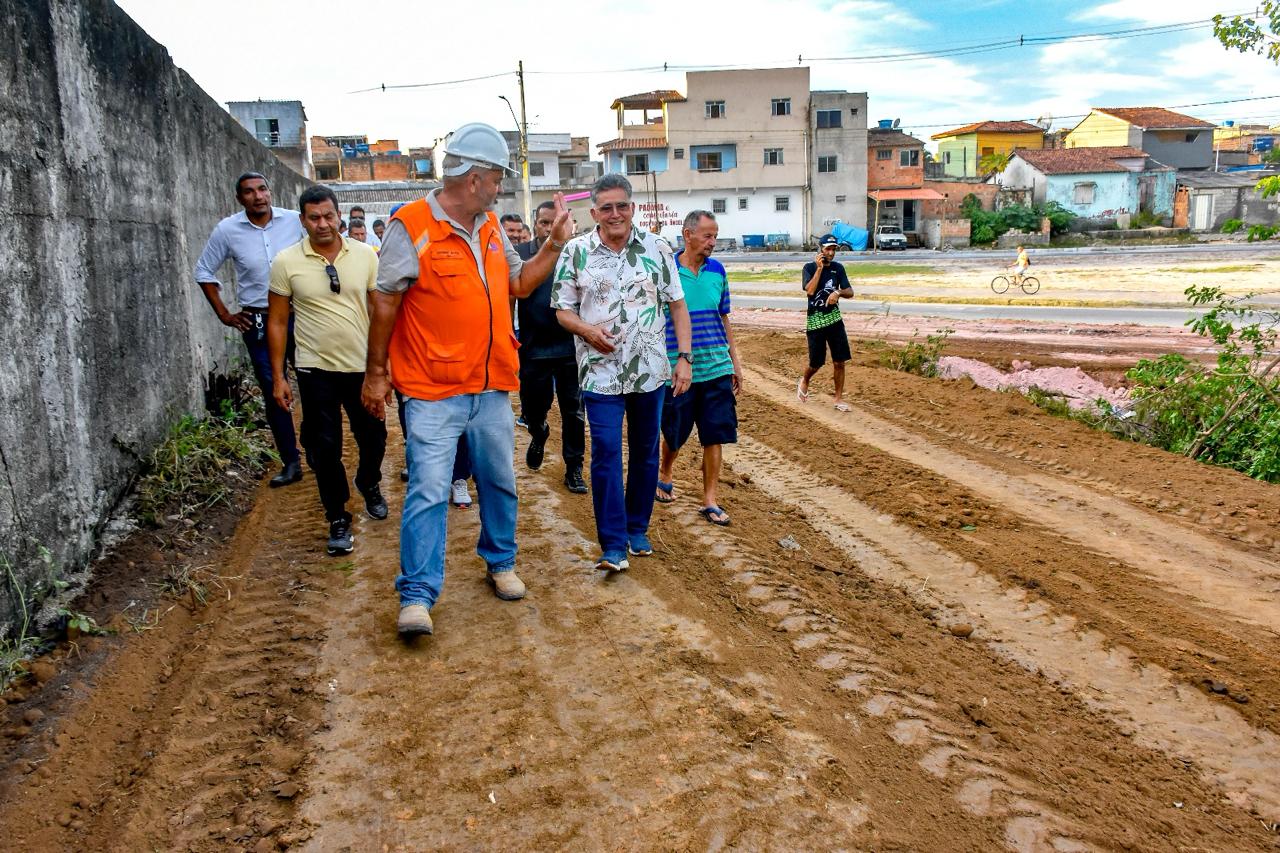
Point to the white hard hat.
(477, 144)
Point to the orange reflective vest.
(453, 333)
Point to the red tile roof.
(991, 127)
(1078, 161)
(647, 100)
(633, 144)
(1153, 118)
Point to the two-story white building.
(773, 161)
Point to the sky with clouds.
(576, 57)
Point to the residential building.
(354, 158)
(558, 162)
(1243, 144)
(896, 191)
(378, 197)
(1101, 185)
(838, 171)
(280, 126)
(961, 149)
(771, 159)
(1207, 199)
(1170, 138)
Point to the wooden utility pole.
(524, 150)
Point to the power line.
(385, 88)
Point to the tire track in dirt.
(987, 784)
(578, 716)
(1238, 585)
(1144, 700)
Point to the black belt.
(254, 310)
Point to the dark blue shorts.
(710, 405)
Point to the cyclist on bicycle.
(1019, 266)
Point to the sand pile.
(1077, 387)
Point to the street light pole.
(522, 128)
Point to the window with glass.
(709, 161)
(884, 153)
(827, 163)
(537, 169)
(719, 205)
(909, 157)
(782, 203)
(773, 156)
(637, 164)
(715, 109)
(781, 106)
(828, 118)
(742, 202)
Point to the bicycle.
(1029, 284)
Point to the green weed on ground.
(189, 471)
(1224, 268)
(915, 356)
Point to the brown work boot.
(507, 585)
(414, 620)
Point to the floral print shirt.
(626, 293)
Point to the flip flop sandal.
(668, 492)
(842, 407)
(801, 394)
(708, 511)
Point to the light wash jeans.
(432, 430)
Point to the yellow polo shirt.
(331, 329)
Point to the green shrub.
(1228, 415)
(1232, 226)
(918, 357)
(1257, 233)
(986, 225)
(188, 471)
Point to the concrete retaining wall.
(114, 168)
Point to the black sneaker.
(290, 473)
(374, 503)
(537, 446)
(404, 475)
(340, 539)
(573, 480)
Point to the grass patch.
(915, 356)
(191, 470)
(854, 271)
(1225, 268)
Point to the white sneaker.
(461, 497)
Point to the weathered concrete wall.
(115, 165)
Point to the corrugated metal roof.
(632, 144)
(991, 127)
(1153, 118)
(1215, 180)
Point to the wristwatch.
(687, 356)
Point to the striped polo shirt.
(706, 293)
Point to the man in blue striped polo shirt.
(717, 373)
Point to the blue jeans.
(433, 428)
(461, 463)
(619, 515)
(280, 421)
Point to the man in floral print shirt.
(610, 288)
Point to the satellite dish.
(896, 122)
(1045, 121)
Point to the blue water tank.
(1229, 123)
(753, 241)
(886, 124)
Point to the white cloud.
(1162, 12)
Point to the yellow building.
(961, 149)
(1171, 138)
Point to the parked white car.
(890, 237)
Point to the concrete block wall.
(115, 167)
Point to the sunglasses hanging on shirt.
(334, 284)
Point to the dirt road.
(944, 620)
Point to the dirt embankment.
(944, 620)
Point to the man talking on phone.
(825, 282)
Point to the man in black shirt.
(548, 367)
(825, 282)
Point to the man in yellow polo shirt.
(327, 278)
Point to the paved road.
(1149, 254)
(1172, 317)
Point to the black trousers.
(540, 380)
(324, 394)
